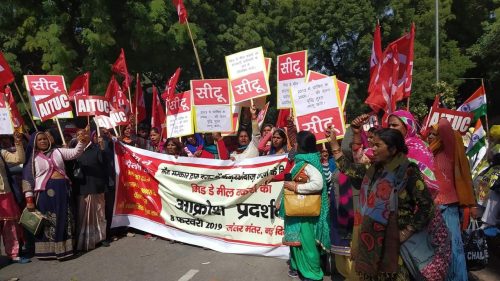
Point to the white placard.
(179, 125)
(213, 118)
(315, 96)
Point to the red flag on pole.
(114, 94)
(157, 112)
(376, 50)
(181, 11)
(17, 119)
(120, 67)
(80, 86)
(283, 115)
(6, 75)
(392, 78)
(171, 84)
(139, 104)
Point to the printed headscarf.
(418, 151)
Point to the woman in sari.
(47, 188)
(455, 188)
(247, 143)
(307, 237)
(92, 183)
(213, 147)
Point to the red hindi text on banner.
(91, 105)
(53, 105)
(292, 65)
(210, 92)
(43, 85)
(249, 87)
(318, 122)
(179, 103)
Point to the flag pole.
(136, 101)
(60, 130)
(28, 109)
(195, 50)
(486, 115)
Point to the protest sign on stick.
(213, 118)
(460, 121)
(119, 116)
(6, 127)
(53, 105)
(342, 87)
(292, 70)
(317, 106)
(210, 92)
(42, 86)
(179, 115)
(247, 75)
(91, 105)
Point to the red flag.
(17, 119)
(376, 50)
(171, 84)
(80, 86)
(114, 94)
(282, 118)
(393, 75)
(120, 67)
(139, 105)
(181, 11)
(157, 112)
(6, 75)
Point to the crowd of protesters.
(379, 188)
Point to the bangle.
(29, 200)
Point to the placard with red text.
(179, 115)
(247, 75)
(316, 106)
(42, 86)
(292, 70)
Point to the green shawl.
(322, 222)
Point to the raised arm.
(18, 156)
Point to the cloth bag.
(475, 246)
(417, 252)
(32, 221)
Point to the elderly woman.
(174, 147)
(307, 237)
(92, 183)
(9, 210)
(47, 188)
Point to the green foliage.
(73, 36)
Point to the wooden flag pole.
(408, 103)
(28, 109)
(195, 50)
(486, 115)
(60, 130)
(97, 128)
(136, 101)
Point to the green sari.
(305, 234)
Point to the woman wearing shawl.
(266, 134)
(193, 144)
(278, 144)
(154, 143)
(307, 236)
(47, 188)
(92, 183)
(387, 220)
(11, 231)
(455, 188)
(418, 152)
(247, 144)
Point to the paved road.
(137, 258)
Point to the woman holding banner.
(174, 147)
(47, 188)
(11, 231)
(307, 237)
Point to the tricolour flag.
(477, 141)
(475, 103)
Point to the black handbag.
(475, 246)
